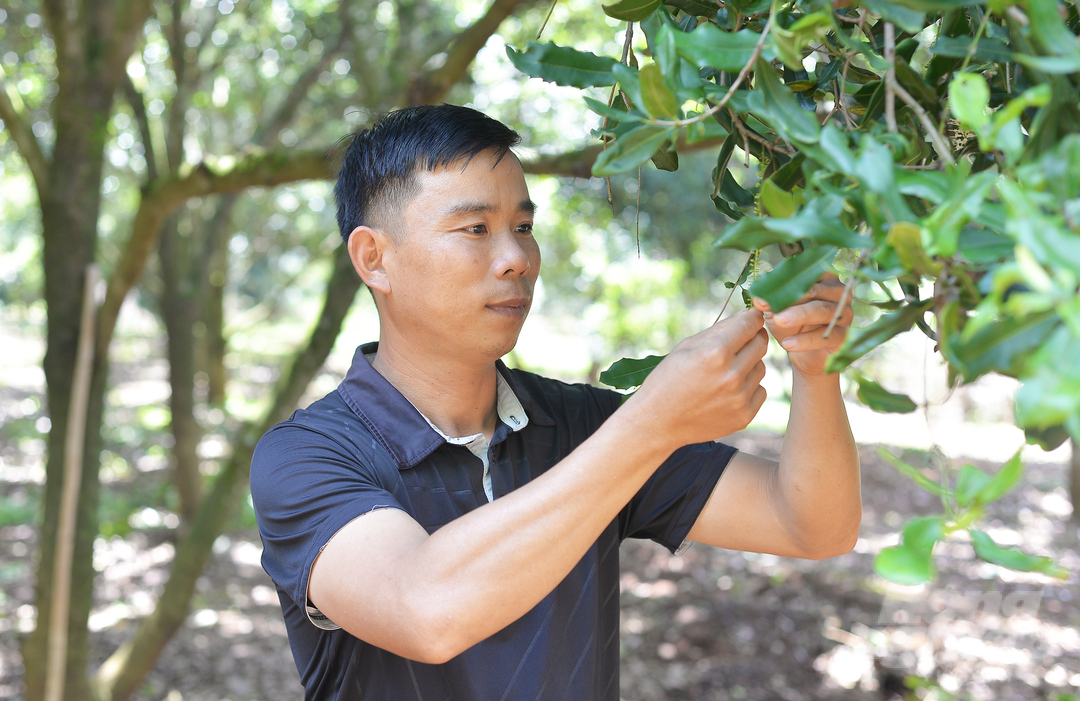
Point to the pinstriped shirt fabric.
(365, 447)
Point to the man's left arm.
(809, 504)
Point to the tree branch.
(432, 86)
(161, 198)
(942, 146)
(570, 164)
(15, 119)
(138, 108)
(287, 109)
(890, 80)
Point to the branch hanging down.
(430, 87)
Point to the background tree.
(141, 124)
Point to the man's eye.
(476, 229)
(525, 229)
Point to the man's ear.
(366, 248)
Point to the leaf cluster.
(937, 144)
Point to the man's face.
(463, 262)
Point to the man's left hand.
(800, 329)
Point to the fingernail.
(789, 343)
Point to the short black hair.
(379, 167)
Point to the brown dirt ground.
(708, 625)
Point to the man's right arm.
(427, 597)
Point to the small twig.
(944, 152)
(890, 76)
(1017, 15)
(844, 296)
(974, 42)
(627, 41)
(842, 96)
(637, 214)
(749, 134)
(550, 11)
(735, 287)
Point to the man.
(441, 527)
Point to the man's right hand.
(709, 385)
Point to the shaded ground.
(709, 624)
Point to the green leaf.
(563, 65)
(932, 5)
(1050, 31)
(922, 533)
(904, 566)
(912, 562)
(988, 49)
(775, 201)
(612, 113)
(629, 372)
(1058, 65)
(861, 341)
(906, 240)
(1050, 395)
(790, 42)
(1012, 558)
(834, 143)
(969, 96)
(1049, 438)
(656, 98)
(790, 280)
(1003, 346)
(911, 21)
(774, 101)
(666, 157)
(629, 84)
(631, 10)
(709, 46)
(969, 483)
(878, 398)
(631, 149)
(913, 472)
(1002, 481)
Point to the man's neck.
(456, 396)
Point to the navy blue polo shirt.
(365, 447)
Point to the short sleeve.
(305, 487)
(669, 503)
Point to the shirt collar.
(402, 430)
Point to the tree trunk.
(181, 305)
(1074, 479)
(119, 676)
(93, 44)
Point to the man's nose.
(511, 257)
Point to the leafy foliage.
(939, 142)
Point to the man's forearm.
(818, 482)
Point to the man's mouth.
(514, 307)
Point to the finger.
(751, 354)
(740, 328)
(817, 311)
(815, 340)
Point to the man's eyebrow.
(477, 207)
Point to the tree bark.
(180, 307)
(1074, 479)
